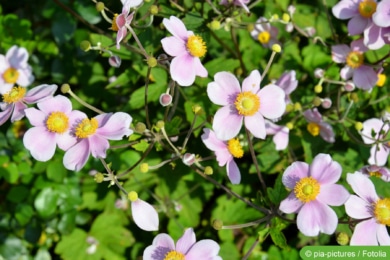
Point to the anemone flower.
(187, 49)
(371, 209)
(248, 105)
(120, 24)
(265, 33)
(225, 152)
(280, 134)
(314, 188)
(15, 101)
(14, 69)
(163, 248)
(93, 135)
(317, 126)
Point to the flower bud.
(196, 109)
(318, 89)
(217, 224)
(208, 170)
(160, 124)
(289, 27)
(276, 48)
(342, 238)
(144, 167)
(65, 88)
(317, 101)
(297, 106)
(151, 61)
(215, 25)
(140, 127)
(85, 45)
(290, 125)
(286, 17)
(165, 99)
(99, 177)
(99, 6)
(153, 9)
(326, 103)
(319, 73)
(132, 196)
(115, 61)
(291, 9)
(349, 86)
(188, 158)
(358, 126)
(310, 31)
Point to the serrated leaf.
(278, 238)
(141, 146)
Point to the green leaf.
(278, 192)
(23, 214)
(314, 57)
(17, 194)
(221, 64)
(141, 146)
(173, 127)
(46, 202)
(56, 171)
(75, 241)
(10, 173)
(63, 27)
(278, 238)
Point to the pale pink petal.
(58, 103)
(77, 156)
(272, 104)
(312, 115)
(326, 132)
(65, 140)
(371, 128)
(35, 116)
(204, 249)
(358, 45)
(383, 235)
(233, 172)
(25, 77)
(324, 169)
(164, 240)
(117, 126)
(373, 37)
(200, 70)
(252, 82)
(281, 139)
(144, 215)
(333, 194)
(365, 77)
(362, 186)
(39, 93)
(345, 9)
(294, 173)
(17, 57)
(291, 204)
(227, 123)
(224, 89)
(131, 3)
(315, 217)
(346, 72)
(357, 208)
(183, 70)
(174, 46)
(18, 111)
(378, 155)
(120, 35)
(5, 87)
(365, 234)
(40, 143)
(5, 115)
(382, 15)
(162, 244)
(256, 125)
(211, 141)
(98, 146)
(287, 82)
(186, 241)
(357, 25)
(340, 52)
(176, 27)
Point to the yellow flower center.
(355, 59)
(174, 255)
(307, 189)
(196, 46)
(86, 128)
(11, 75)
(382, 211)
(247, 103)
(235, 148)
(313, 128)
(114, 26)
(375, 174)
(381, 80)
(264, 37)
(14, 95)
(367, 8)
(57, 122)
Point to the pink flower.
(265, 33)
(241, 3)
(313, 189)
(363, 76)
(280, 134)
(144, 215)
(372, 210)
(163, 247)
(186, 48)
(288, 83)
(377, 171)
(374, 132)
(225, 151)
(14, 69)
(51, 127)
(93, 135)
(120, 24)
(317, 126)
(382, 15)
(249, 104)
(16, 99)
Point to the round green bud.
(289, 107)
(358, 126)
(85, 45)
(151, 61)
(217, 224)
(342, 239)
(153, 9)
(160, 124)
(208, 170)
(140, 127)
(215, 25)
(354, 97)
(318, 89)
(317, 101)
(99, 6)
(65, 88)
(297, 106)
(276, 48)
(99, 177)
(196, 109)
(290, 125)
(144, 167)
(286, 17)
